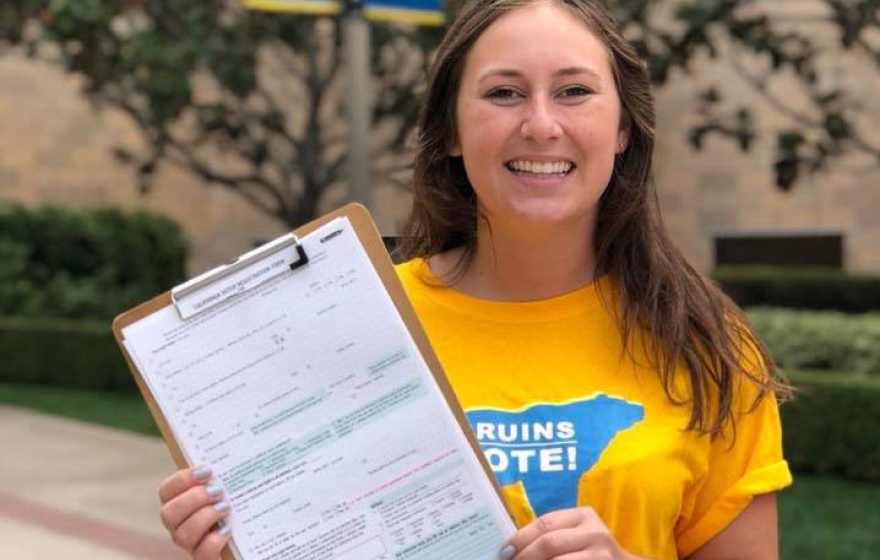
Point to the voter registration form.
(312, 404)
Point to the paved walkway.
(79, 491)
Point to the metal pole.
(356, 33)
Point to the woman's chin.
(548, 216)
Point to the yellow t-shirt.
(565, 419)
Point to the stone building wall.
(720, 191)
(56, 148)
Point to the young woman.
(621, 401)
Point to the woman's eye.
(575, 92)
(504, 94)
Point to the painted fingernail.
(222, 506)
(507, 552)
(214, 489)
(224, 530)
(202, 473)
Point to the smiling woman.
(624, 406)
(538, 127)
(541, 270)
(514, 90)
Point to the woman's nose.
(541, 123)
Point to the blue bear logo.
(549, 446)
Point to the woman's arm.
(751, 536)
(579, 534)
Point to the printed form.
(312, 404)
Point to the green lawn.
(125, 411)
(820, 518)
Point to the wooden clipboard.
(371, 241)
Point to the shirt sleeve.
(745, 460)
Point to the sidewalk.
(79, 491)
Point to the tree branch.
(803, 119)
(255, 180)
(760, 86)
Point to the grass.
(820, 518)
(119, 410)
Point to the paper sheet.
(312, 404)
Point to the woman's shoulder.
(434, 272)
(417, 280)
(411, 271)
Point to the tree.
(248, 101)
(741, 31)
(251, 101)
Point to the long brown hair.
(684, 317)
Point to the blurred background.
(143, 142)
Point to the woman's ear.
(623, 133)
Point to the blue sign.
(424, 12)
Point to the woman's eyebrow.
(567, 71)
(578, 70)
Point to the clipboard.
(375, 249)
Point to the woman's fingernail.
(214, 489)
(224, 530)
(507, 552)
(222, 506)
(202, 473)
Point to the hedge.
(804, 288)
(833, 426)
(85, 263)
(820, 339)
(78, 354)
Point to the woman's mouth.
(559, 168)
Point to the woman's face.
(538, 119)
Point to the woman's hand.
(568, 534)
(192, 505)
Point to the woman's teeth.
(548, 168)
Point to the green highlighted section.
(288, 413)
(374, 410)
(386, 363)
(289, 451)
(282, 455)
(476, 537)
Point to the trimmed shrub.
(820, 339)
(833, 426)
(65, 353)
(85, 263)
(804, 288)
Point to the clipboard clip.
(239, 275)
